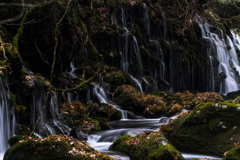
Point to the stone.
(224, 107)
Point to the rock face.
(211, 128)
(53, 147)
(148, 145)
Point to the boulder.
(148, 145)
(211, 128)
(56, 147)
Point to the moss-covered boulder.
(207, 97)
(148, 145)
(76, 110)
(115, 77)
(211, 128)
(138, 102)
(103, 111)
(233, 154)
(56, 147)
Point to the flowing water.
(137, 83)
(49, 122)
(223, 49)
(102, 140)
(104, 98)
(7, 119)
(72, 71)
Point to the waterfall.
(212, 81)
(138, 84)
(7, 119)
(71, 73)
(159, 69)
(124, 22)
(136, 49)
(125, 45)
(49, 122)
(226, 54)
(165, 28)
(55, 116)
(103, 98)
(146, 18)
(37, 104)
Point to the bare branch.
(22, 11)
(26, 5)
(56, 39)
(14, 18)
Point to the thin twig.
(14, 18)
(27, 5)
(41, 54)
(56, 39)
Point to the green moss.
(15, 139)
(20, 108)
(104, 125)
(233, 154)
(20, 29)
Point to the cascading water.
(102, 140)
(49, 122)
(103, 98)
(71, 73)
(159, 68)
(222, 47)
(7, 119)
(55, 116)
(138, 84)
(165, 28)
(146, 18)
(37, 104)
(124, 49)
(136, 50)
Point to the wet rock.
(78, 133)
(163, 120)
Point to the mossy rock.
(148, 145)
(233, 95)
(138, 102)
(104, 111)
(211, 128)
(104, 125)
(14, 140)
(233, 154)
(52, 148)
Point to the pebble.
(238, 109)
(224, 106)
